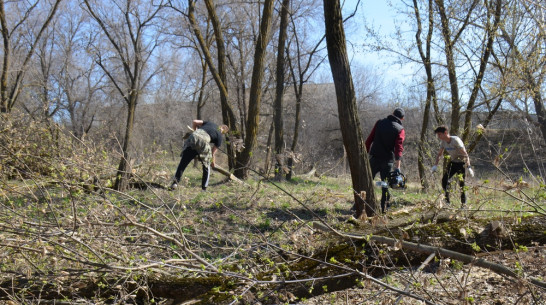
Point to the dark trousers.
(187, 156)
(383, 167)
(454, 168)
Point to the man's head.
(442, 132)
(399, 113)
(224, 129)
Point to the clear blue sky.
(381, 16)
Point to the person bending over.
(198, 144)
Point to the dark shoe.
(173, 186)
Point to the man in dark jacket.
(197, 145)
(385, 145)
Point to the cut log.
(229, 175)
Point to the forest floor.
(247, 243)
(446, 283)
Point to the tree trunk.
(200, 98)
(253, 120)
(267, 161)
(218, 74)
(348, 113)
(451, 70)
(228, 115)
(491, 33)
(431, 90)
(279, 93)
(123, 173)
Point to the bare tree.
(279, 93)
(79, 78)
(525, 37)
(218, 70)
(303, 60)
(431, 90)
(253, 120)
(14, 17)
(491, 23)
(348, 114)
(450, 39)
(128, 27)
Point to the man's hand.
(434, 168)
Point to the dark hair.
(441, 129)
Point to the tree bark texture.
(431, 90)
(218, 73)
(348, 113)
(253, 120)
(279, 93)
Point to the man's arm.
(399, 148)
(196, 124)
(463, 152)
(370, 138)
(214, 149)
(440, 153)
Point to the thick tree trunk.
(123, 173)
(279, 93)
(253, 120)
(348, 113)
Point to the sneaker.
(173, 186)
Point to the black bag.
(397, 180)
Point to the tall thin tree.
(125, 27)
(253, 119)
(351, 132)
(279, 93)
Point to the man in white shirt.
(454, 146)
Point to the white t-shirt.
(454, 148)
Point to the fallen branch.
(228, 174)
(420, 248)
